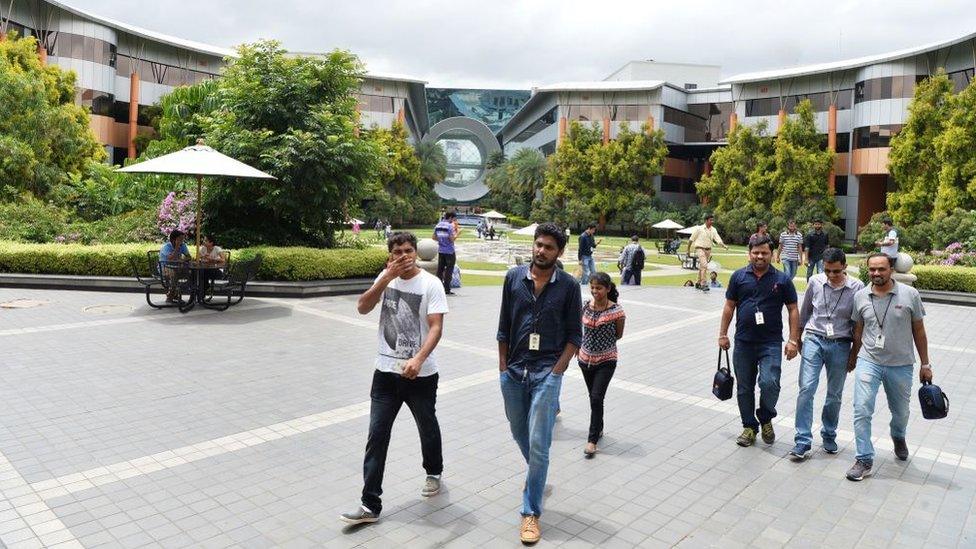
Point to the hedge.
(286, 264)
(939, 277)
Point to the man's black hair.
(401, 237)
(886, 221)
(175, 234)
(635, 238)
(591, 226)
(834, 255)
(709, 216)
(450, 215)
(761, 241)
(553, 230)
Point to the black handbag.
(935, 403)
(723, 383)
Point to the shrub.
(517, 222)
(31, 220)
(285, 264)
(950, 279)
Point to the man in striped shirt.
(788, 252)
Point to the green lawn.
(482, 266)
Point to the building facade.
(859, 104)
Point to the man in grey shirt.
(826, 315)
(888, 320)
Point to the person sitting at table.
(211, 254)
(173, 252)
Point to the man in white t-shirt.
(888, 244)
(413, 304)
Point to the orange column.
(606, 130)
(42, 54)
(782, 120)
(831, 141)
(733, 121)
(650, 123)
(401, 116)
(133, 112)
(562, 130)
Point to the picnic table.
(193, 279)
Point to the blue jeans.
(820, 352)
(790, 266)
(589, 268)
(814, 267)
(897, 381)
(752, 360)
(530, 407)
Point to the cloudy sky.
(508, 43)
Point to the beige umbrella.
(198, 160)
(493, 215)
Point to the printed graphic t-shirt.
(403, 321)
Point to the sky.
(520, 44)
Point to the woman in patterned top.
(603, 325)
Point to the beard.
(542, 263)
(879, 280)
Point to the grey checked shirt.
(823, 304)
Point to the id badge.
(830, 330)
(534, 342)
(760, 320)
(879, 341)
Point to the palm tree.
(433, 162)
(527, 171)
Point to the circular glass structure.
(467, 144)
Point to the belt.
(837, 339)
(702, 248)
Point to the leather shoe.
(901, 448)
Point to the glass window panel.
(77, 47)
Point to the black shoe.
(860, 470)
(449, 292)
(359, 516)
(901, 448)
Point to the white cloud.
(510, 43)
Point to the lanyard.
(882, 320)
(830, 314)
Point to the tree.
(799, 181)
(956, 151)
(433, 161)
(292, 117)
(757, 176)
(913, 160)
(605, 177)
(402, 192)
(45, 139)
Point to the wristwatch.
(929, 366)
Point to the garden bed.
(280, 264)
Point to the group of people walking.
(544, 324)
(870, 331)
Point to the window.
(587, 113)
(716, 117)
(843, 144)
(894, 87)
(769, 106)
(689, 86)
(840, 186)
(375, 103)
(961, 79)
(674, 184)
(685, 119)
(542, 123)
(870, 137)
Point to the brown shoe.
(529, 531)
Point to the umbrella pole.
(199, 193)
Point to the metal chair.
(238, 275)
(149, 282)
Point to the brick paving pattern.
(122, 426)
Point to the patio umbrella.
(530, 230)
(494, 215)
(687, 231)
(197, 160)
(668, 224)
(353, 221)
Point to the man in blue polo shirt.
(756, 294)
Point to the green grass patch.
(482, 266)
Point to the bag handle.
(727, 362)
(945, 397)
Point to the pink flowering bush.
(177, 211)
(955, 254)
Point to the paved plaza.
(129, 427)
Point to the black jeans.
(445, 269)
(631, 275)
(388, 393)
(597, 379)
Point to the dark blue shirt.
(586, 245)
(556, 315)
(766, 294)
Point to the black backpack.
(637, 262)
(723, 383)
